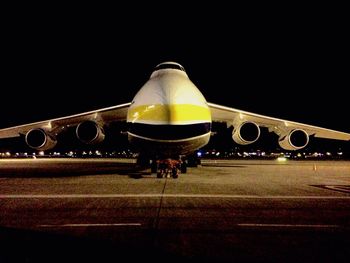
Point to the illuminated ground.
(243, 211)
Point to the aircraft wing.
(232, 116)
(105, 115)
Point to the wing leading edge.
(232, 116)
(104, 115)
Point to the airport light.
(281, 159)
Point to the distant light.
(340, 153)
(328, 154)
(199, 154)
(41, 153)
(281, 159)
(8, 154)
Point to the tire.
(154, 167)
(174, 173)
(183, 168)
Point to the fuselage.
(169, 116)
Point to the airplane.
(168, 119)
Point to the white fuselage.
(169, 115)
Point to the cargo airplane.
(168, 118)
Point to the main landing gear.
(166, 168)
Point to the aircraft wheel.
(175, 173)
(183, 168)
(154, 167)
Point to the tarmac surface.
(105, 210)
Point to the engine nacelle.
(294, 140)
(246, 133)
(90, 132)
(39, 139)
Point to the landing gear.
(183, 168)
(167, 167)
(154, 167)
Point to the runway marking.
(289, 225)
(86, 225)
(64, 196)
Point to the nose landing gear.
(167, 167)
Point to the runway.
(101, 210)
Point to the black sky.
(292, 66)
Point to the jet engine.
(246, 133)
(90, 132)
(39, 139)
(294, 140)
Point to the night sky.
(292, 67)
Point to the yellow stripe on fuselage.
(169, 114)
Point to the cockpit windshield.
(169, 65)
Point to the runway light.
(281, 159)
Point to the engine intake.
(294, 140)
(90, 132)
(246, 133)
(39, 139)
